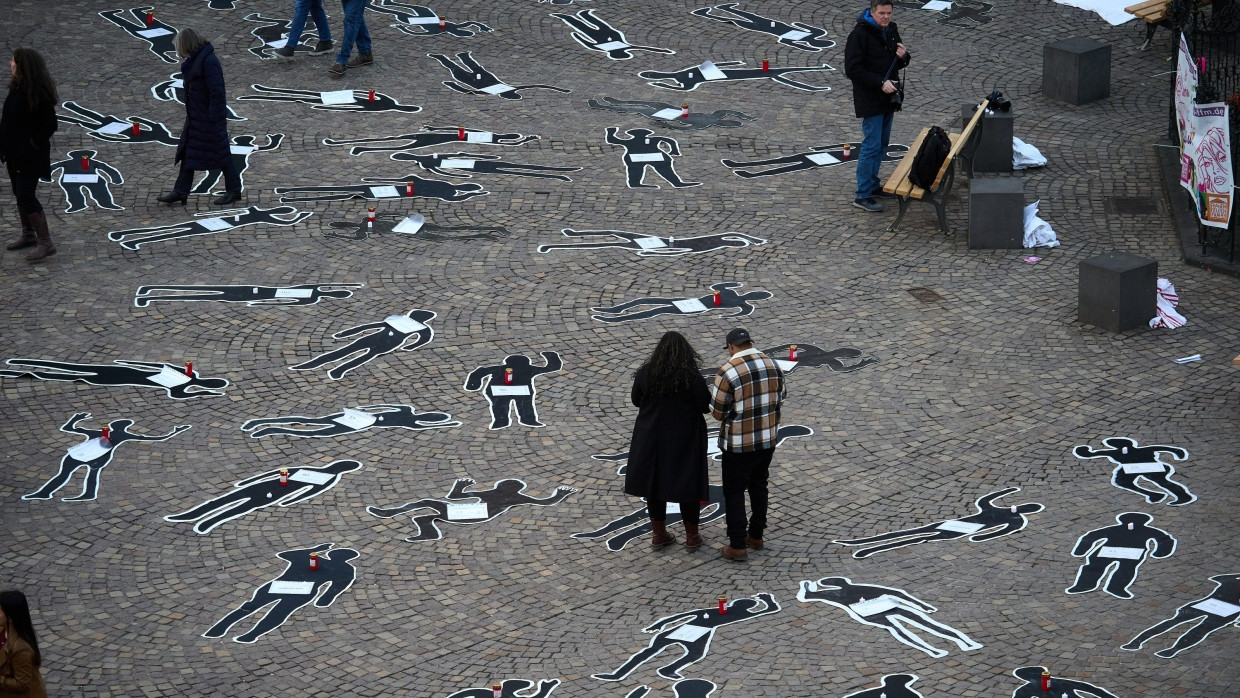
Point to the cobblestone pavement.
(987, 383)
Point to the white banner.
(1185, 89)
(1206, 169)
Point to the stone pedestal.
(992, 146)
(1076, 71)
(1118, 291)
(997, 213)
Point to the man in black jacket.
(872, 59)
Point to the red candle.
(136, 129)
(284, 477)
(684, 111)
(150, 17)
(409, 188)
(718, 299)
(792, 353)
(104, 433)
(370, 213)
(371, 96)
(723, 605)
(1046, 680)
(189, 368)
(314, 561)
(460, 133)
(847, 151)
(497, 690)
(508, 376)
(442, 23)
(766, 65)
(85, 163)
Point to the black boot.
(228, 198)
(173, 197)
(44, 238)
(27, 237)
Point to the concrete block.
(1076, 71)
(992, 147)
(996, 213)
(1117, 291)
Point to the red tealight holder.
(792, 353)
(723, 605)
(314, 561)
(85, 163)
(150, 17)
(684, 111)
(370, 213)
(1046, 680)
(409, 188)
(460, 133)
(136, 128)
(371, 96)
(104, 433)
(284, 477)
(766, 65)
(847, 151)
(718, 299)
(497, 690)
(189, 368)
(442, 23)
(508, 376)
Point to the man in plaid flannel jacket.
(747, 395)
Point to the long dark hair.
(33, 80)
(17, 611)
(673, 365)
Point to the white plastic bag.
(1168, 299)
(1025, 155)
(1038, 232)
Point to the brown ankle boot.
(692, 538)
(44, 238)
(661, 537)
(27, 236)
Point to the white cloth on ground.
(1038, 233)
(1168, 299)
(1025, 155)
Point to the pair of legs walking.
(355, 32)
(314, 10)
(33, 220)
(745, 472)
(185, 179)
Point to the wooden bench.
(904, 190)
(1154, 14)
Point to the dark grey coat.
(204, 143)
(667, 455)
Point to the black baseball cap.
(738, 336)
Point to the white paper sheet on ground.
(457, 164)
(1025, 155)
(294, 292)
(794, 35)
(298, 588)
(422, 20)
(241, 149)
(410, 225)
(479, 137)
(689, 305)
(337, 97)
(497, 89)
(115, 128)
(960, 526)
(404, 323)
(178, 84)
(1038, 232)
(1116, 553)
(169, 377)
(1139, 468)
(387, 192)
(646, 157)
(278, 43)
(510, 390)
(89, 450)
(688, 633)
(355, 419)
(214, 224)
(937, 5)
(1218, 608)
(870, 607)
(710, 72)
(1110, 10)
(311, 476)
(822, 158)
(467, 512)
(785, 365)
(673, 508)
(668, 114)
(152, 33)
(649, 243)
(611, 46)
(80, 178)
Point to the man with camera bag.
(873, 58)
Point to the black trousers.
(232, 179)
(744, 472)
(24, 185)
(690, 512)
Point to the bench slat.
(900, 175)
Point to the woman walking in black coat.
(667, 456)
(26, 128)
(204, 141)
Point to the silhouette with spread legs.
(361, 100)
(1134, 462)
(594, 33)
(459, 508)
(273, 34)
(684, 306)
(404, 332)
(242, 148)
(224, 222)
(692, 631)
(685, 688)
(221, 4)
(385, 223)
(384, 188)
(642, 150)
(842, 360)
(511, 688)
(819, 156)
(431, 137)
(669, 115)
(1214, 612)
(173, 90)
(636, 524)
(1032, 676)
(301, 294)
(94, 457)
(78, 182)
(798, 35)
(646, 245)
(296, 587)
(504, 389)
(469, 77)
(990, 522)
(351, 421)
(465, 164)
(785, 432)
(417, 20)
(173, 380)
(894, 610)
(115, 130)
(263, 491)
(688, 79)
(1120, 550)
(158, 35)
(966, 14)
(893, 686)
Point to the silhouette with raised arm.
(404, 332)
(1134, 462)
(684, 306)
(242, 148)
(688, 79)
(511, 688)
(384, 188)
(798, 35)
(646, 245)
(351, 421)
(819, 156)
(78, 182)
(1214, 612)
(361, 100)
(594, 33)
(1119, 550)
(431, 136)
(511, 384)
(157, 34)
(459, 507)
(301, 294)
(173, 380)
(224, 222)
(116, 130)
(642, 150)
(668, 115)
(469, 77)
(465, 164)
(173, 90)
(1032, 676)
(417, 20)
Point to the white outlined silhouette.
(728, 298)
(1134, 462)
(209, 224)
(653, 244)
(798, 35)
(404, 332)
(892, 686)
(78, 182)
(408, 187)
(175, 381)
(1060, 687)
(689, 79)
(273, 34)
(173, 90)
(511, 688)
(672, 116)
(387, 224)
(116, 130)
(460, 508)
(350, 421)
(157, 34)
(595, 34)
(471, 78)
(363, 100)
(300, 294)
(465, 165)
(1216, 611)
(511, 384)
(643, 149)
(1118, 550)
(817, 157)
(419, 20)
(685, 688)
(429, 137)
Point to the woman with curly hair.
(667, 456)
(26, 127)
(19, 650)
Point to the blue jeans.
(876, 134)
(302, 9)
(354, 29)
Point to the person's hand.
(889, 87)
(901, 52)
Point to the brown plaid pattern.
(747, 395)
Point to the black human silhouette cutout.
(594, 33)
(642, 150)
(385, 223)
(798, 35)
(893, 686)
(263, 491)
(687, 688)
(842, 360)
(1134, 462)
(895, 610)
(108, 128)
(785, 432)
(819, 156)
(684, 306)
(965, 14)
(95, 461)
(511, 688)
(221, 4)
(417, 20)
(1218, 610)
(503, 395)
(503, 495)
(300, 294)
(242, 148)
(432, 136)
(668, 115)
(561, 2)
(272, 34)
(404, 332)
(206, 224)
(647, 245)
(158, 35)
(91, 181)
(351, 421)
(296, 587)
(1072, 688)
(172, 379)
(991, 521)
(463, 165)
(692, 631)
(1120, 550)
(471, 78)
(688, 79)
(385, 188)
(622, 530)
(361, 100)
(173, 90)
